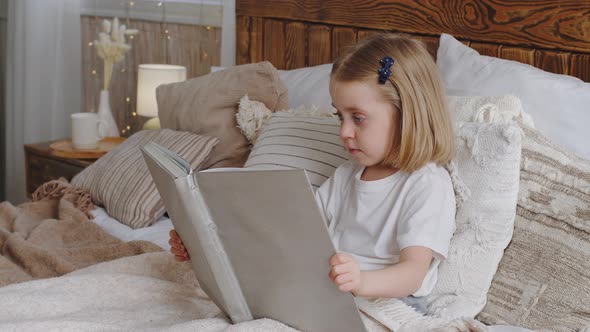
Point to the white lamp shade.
(149, 76)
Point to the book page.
(173, 163)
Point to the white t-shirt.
(375, 220)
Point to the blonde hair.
(424, 129)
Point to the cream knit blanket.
(152, 292)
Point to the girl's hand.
(345, 272)
(177, 248)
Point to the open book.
(257, 240)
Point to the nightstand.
(42, 165)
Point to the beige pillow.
(543, 278)
(207, 105)
(121, 182)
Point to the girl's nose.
(346, 130)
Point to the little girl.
(391, 209)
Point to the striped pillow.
(290, 141)
(120, 180)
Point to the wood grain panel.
(256, 39)
(533, 23)
(319, 50)
(553, 61)
(364, 33)
(486, 49)
(518, 54)
(242, 40)
(296, 45)
(341, 39)
(431, 44)
(580, 67)
(274, 43)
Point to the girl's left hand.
(345, 272)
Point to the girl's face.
(367, 120)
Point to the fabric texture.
(308, 86)
(153, 292)
(53, 236)
(291, 140)
(207, 105)
(120, 180)
(542, 280)
(56, 189)
(374, 220)
(558, 103)
(487, 164)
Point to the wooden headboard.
(551, 35)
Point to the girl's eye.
(358, 119)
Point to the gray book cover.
(258, 243)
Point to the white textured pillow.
(297, 140)
(558, 103)
(503, 109)
(308, 86)
(487, 162)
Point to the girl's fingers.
(343, 279)
(342, 268)
(180, 258)
(347, 287)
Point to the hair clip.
(385, 70)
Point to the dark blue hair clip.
(385, 70)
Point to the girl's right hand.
(177, 247)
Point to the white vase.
(108, 125)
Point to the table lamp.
(149, 76)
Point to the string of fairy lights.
(126, 67)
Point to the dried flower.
(111, 46)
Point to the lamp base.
(153, 123)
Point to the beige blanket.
(52, 236)
(153, 292)
(150, 292)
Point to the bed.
(142, 288)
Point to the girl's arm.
(397, 281)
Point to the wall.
(168, 35)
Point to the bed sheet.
(157, 233)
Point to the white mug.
(85, 134)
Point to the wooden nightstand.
(42, 165)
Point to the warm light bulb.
(90, 44)
(128, 99)
(128, 127)
(93, 72)
(134, 114)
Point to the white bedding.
(158, 234)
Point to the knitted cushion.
(487, 165)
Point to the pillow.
(207, 105)
(558, 103)
(487, 164)
(542, 280)
(294, 139)
(121, 182)
(504, 109)
(308, 86)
